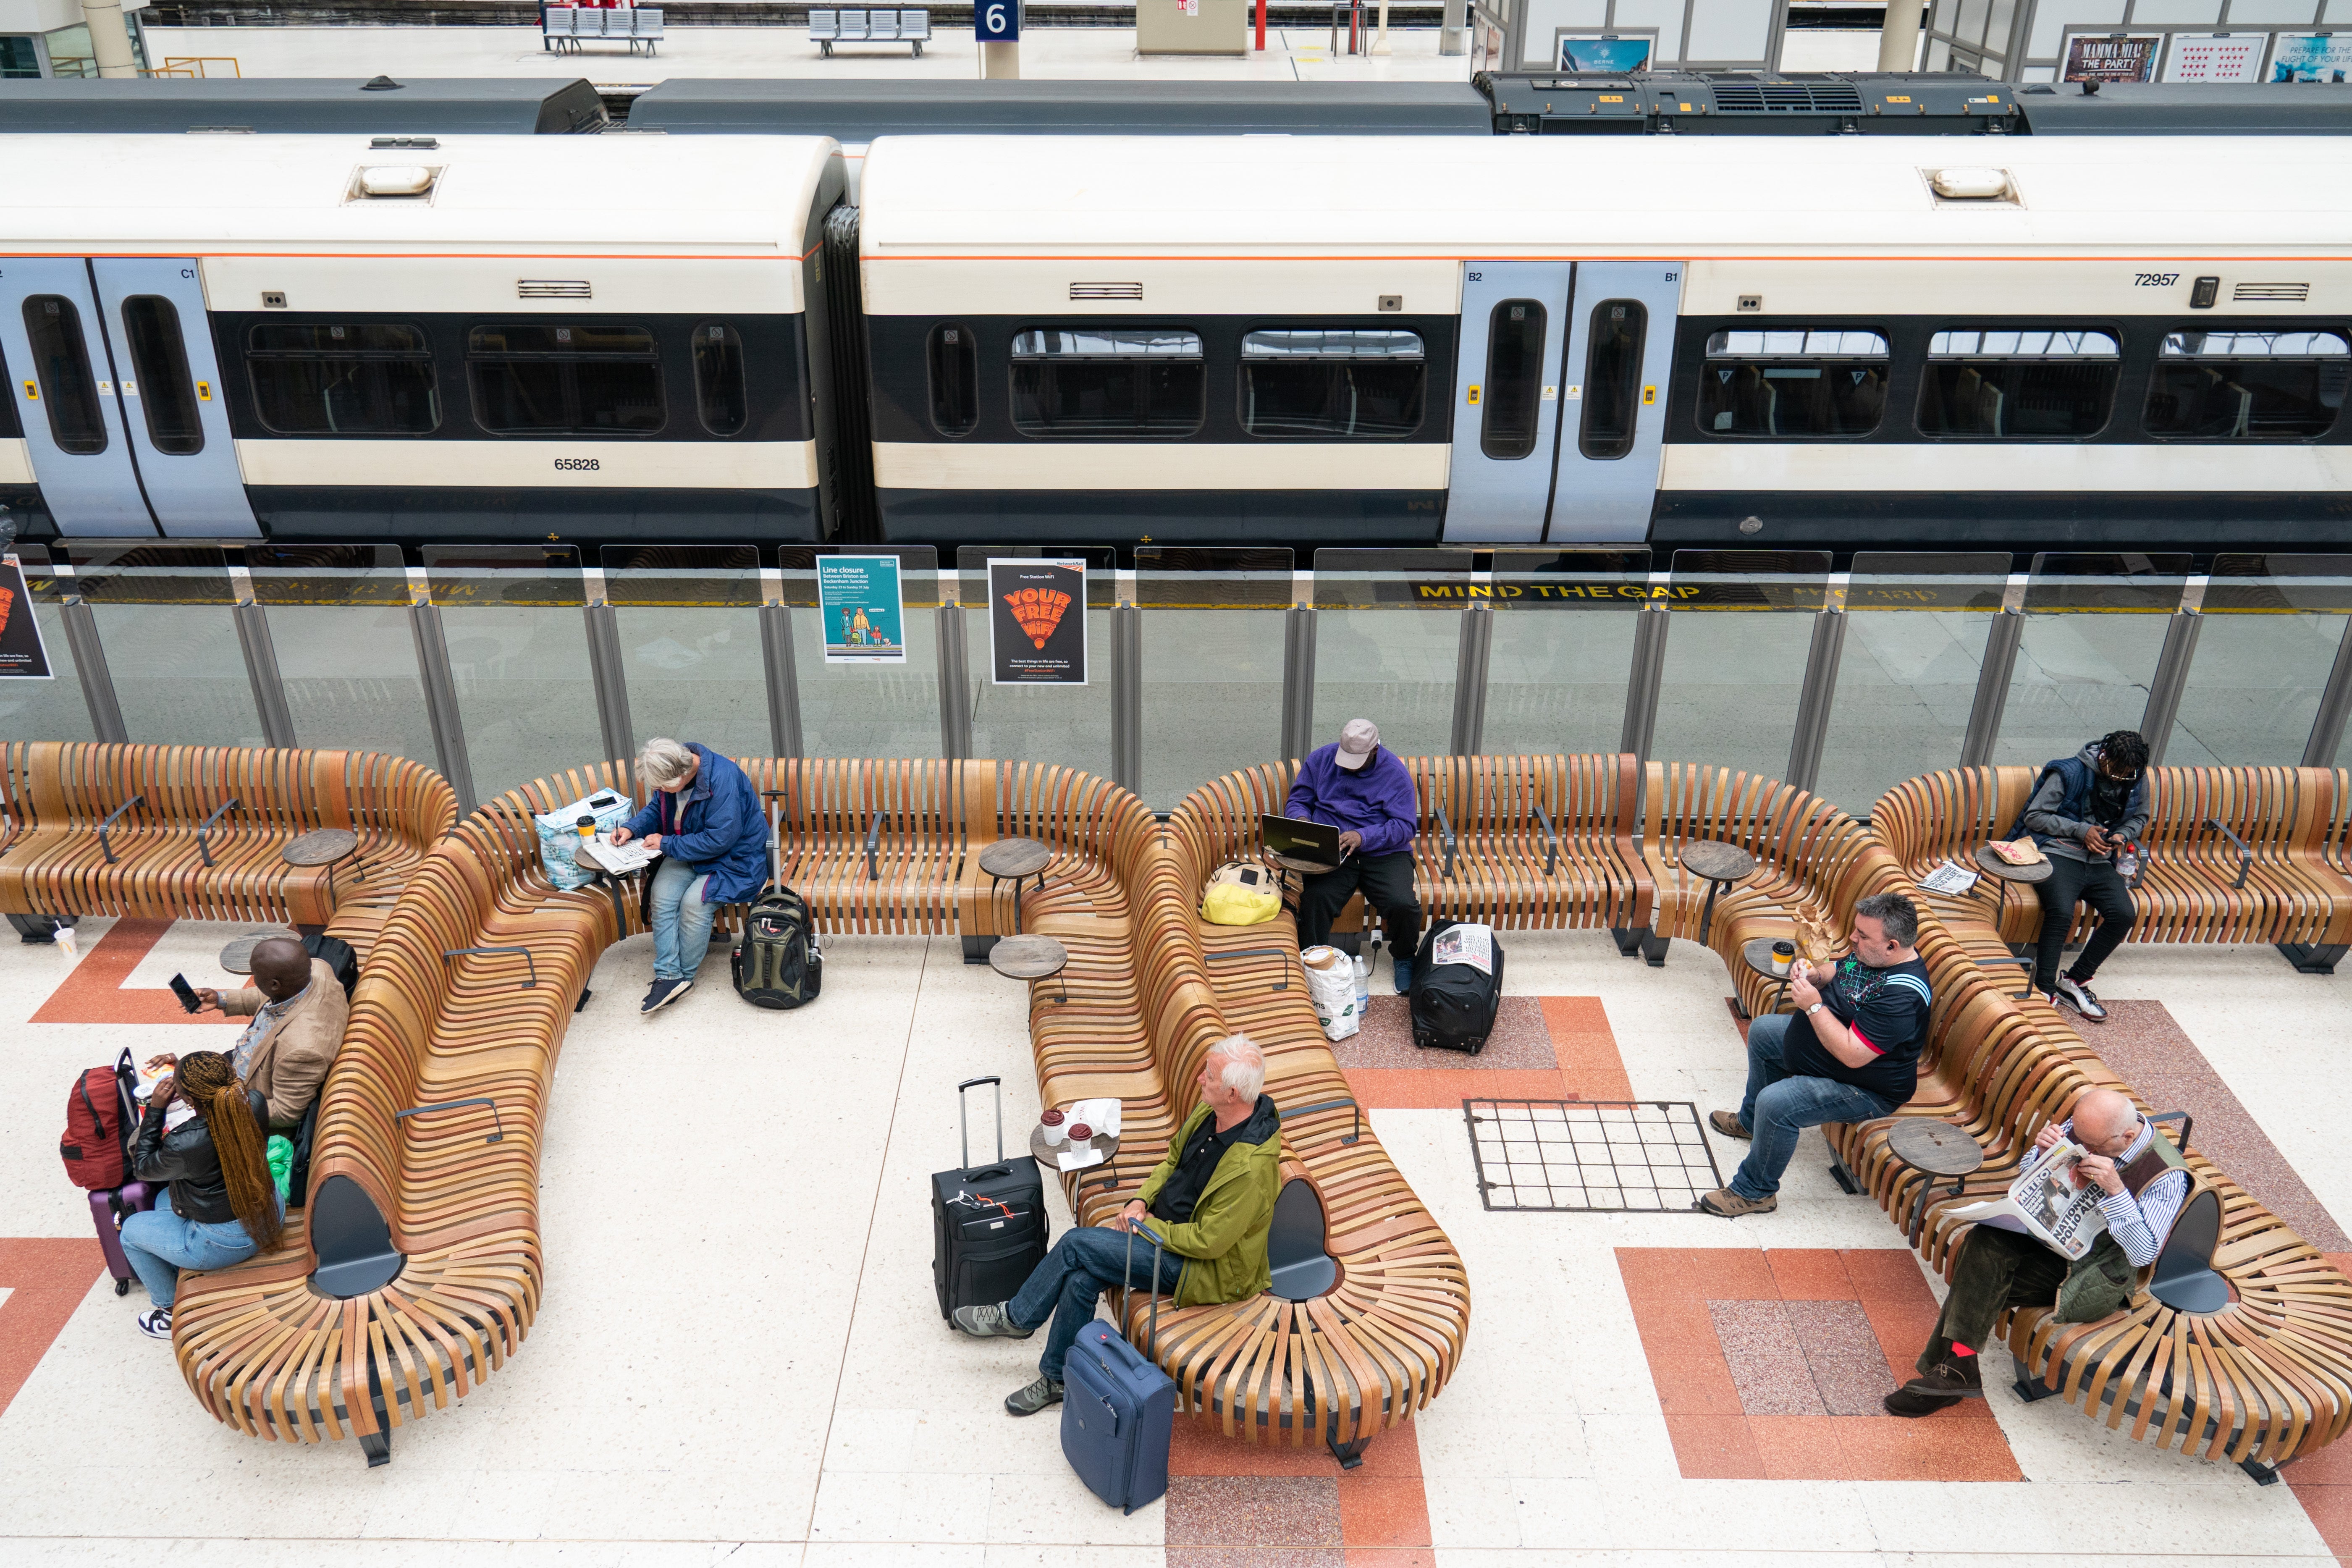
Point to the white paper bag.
(1333, 992)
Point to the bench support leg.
(2265, 1475)
(581, 1005)
(976, 949)
(1349, 1454)
(377, 1445)
(2029, 1387)
(1628, 939)
(2311, 958)
(1841, 1175)
(1653, 950)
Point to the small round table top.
(1049, 1153)
(1015, 857)
(1718, 862)
(1027, 957)
(236, 958)
(321, 846)
(1294, 863)
(1994, 866)
(1938, 1148)
(1759, 954)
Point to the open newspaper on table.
(2050, 1201)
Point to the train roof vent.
(1970, 182)
(1786, 97)
(553, 289)
(393, 181)
(2288, 292)
(1106, 291)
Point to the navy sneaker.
(1404, 975)
(663, 993)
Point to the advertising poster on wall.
(1037, 622)
(2111, 56)
(857, 600)
(2311, 56)
(23, 654)
(2215, 56)
(1611, 53)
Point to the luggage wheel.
(122, 1287)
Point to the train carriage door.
(1507, 398)
(171, 401)
(62, 382)
(1621, 346)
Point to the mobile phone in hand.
(186, 993)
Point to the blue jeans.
(1780, 1104)
(1083, 1264)
(681, 921)
(159, 1244)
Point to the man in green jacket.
(1211, 1200)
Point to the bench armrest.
(1551, 839)
(108, 825)
(1445, 837)
(449, 953)
(499, 1128)
(1331, 1105)
(874, 848)
(1282, 984)
(205, 828)
(2245, 850)
(2185, 1121)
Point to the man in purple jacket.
(1364, 791)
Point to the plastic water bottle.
(1363, 983)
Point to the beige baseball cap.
(1356, 743)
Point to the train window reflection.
(1514, 339)
(1612, 375)
(955, 380)
(1108, 383)
(158, 358)
(342, 378)
(2248, 386)
(2028, 384)
(718, 378)
(1355, 383)
(61, 369)
(552, 379)
(1803, 381)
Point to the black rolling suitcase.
(1454, 1003)
(988, 1222)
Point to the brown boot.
(1727, 1123)
(1948, 1380)
(1729, 1205)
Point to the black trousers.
(1387, 882)
(1997, 1269)
(2097, 883)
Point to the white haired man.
(1211, 1200)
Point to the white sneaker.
(156, 1324)
(2077, 995)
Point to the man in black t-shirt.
(1849, 1053)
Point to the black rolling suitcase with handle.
(1454, 1003)
(988, 1222)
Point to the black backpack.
(339, 956)
(778, 963)
(1453, 1005)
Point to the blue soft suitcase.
(1118, 1410)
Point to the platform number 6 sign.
(996, 21)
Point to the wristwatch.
(1813, 1009)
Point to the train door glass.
(177, 419)
(1620, 351)
(61, 379)
(1507, 398)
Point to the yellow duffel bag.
(1240, 893)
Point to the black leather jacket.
(185, 1157)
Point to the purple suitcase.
(108, 1207)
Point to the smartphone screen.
(186, 993)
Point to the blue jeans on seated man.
(158, 1243)
(681, 921)
(1085, 1263)
(1780, 1104)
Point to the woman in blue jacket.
(704, 820)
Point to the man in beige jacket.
(298, 1013)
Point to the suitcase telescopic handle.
(1152, 1346)
(964, 1115)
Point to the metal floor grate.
(1587, 1156)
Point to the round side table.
(321, 847)
(1758, 953)
(1935, 1149)
(236, 958)
(1030, 958)
(1012, 861)
(1721, 865)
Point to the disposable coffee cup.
(1784, 954)
(1057, 1130)
(1081, 1133)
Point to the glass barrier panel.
(1915, 628)
(1057, 723)
(2265, 645)
(1736, 649)
(1387, 640)
(51, 709)
(1556, 673)
(346, 647)
(519, 657)
(2087, 655)
(858, 706)
(689, 619)
(1212, 693)
(163, 617)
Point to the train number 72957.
(2155, 280)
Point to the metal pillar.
(1470, 679)
(1452, 28)
(441, 702)
(611, 682)
(1814, 703)
(1641, 686)
(783, 678)
(955, 685)
(261, 669)
(2001, 640)
(1298, 681)
(2170, 680)
(1127, 698)
(1898, 36)
(90, 664)
(109, 39)
(2335, 706)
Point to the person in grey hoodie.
(2083, 811)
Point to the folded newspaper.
(1470, 944)
(2050, 1201)
(1948, 879)
(618, 858)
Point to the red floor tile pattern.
(1270, 1507)
(1546, 1047)
(1681, 1295)
(93, 993)
(45, 1280)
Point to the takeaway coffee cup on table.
(1784, 954)
(1058, 1131)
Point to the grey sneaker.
(2077, 995)
(989, 1323)
(1727, 1123)
(1035, 1397)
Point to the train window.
(1613, 377)
(159, 357)
(1794, 382)
(1348, 382)
(1514, 338)
(718, 378)
(342, 378)
(552, 379)
(1111, 383)
(2248, 386)
(2033, 384)
(955, 380)
(61, 368)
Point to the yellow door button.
(1474, 395)
(31, 394)
(203, 391)
(1649, 396)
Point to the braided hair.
(208, 1082)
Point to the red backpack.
(101, 1114)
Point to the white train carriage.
(466, 337)
(1834, 341)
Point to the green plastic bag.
(281, 1163)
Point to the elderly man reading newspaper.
(2141, 1182)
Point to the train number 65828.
(578, 465)
(2155, 280)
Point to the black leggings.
(2097, 883)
